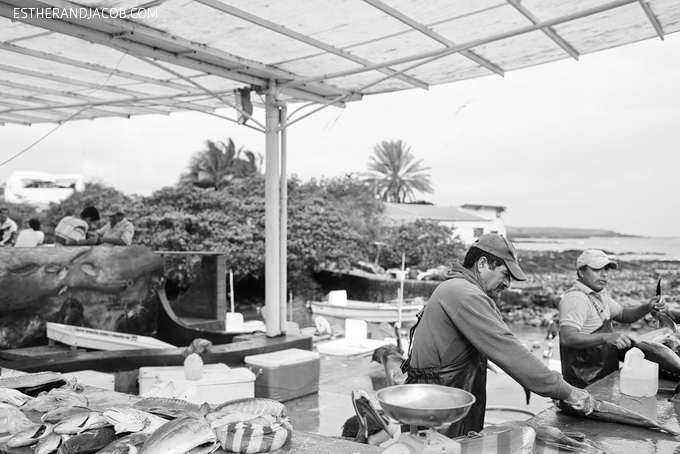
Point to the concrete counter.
(615, 438)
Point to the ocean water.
(622, 248)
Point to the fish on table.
(56, 398)
(13, 397)
(58, 414)
(128, 419)
(170, 407)
(33, 384)
(129, 444)
(28, 436)
(250, 405)
(180, 436)
(48, 444)
(609, 412)
(88, 442)
(80, 422)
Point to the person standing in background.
(8, 228)
(588, 344)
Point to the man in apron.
(461, 327)
(588, 345)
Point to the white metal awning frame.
(331, 52)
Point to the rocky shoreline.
(550, 274)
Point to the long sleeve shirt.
(459, 318)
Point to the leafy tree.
(426, 244)
(220, 163)
(395, 173)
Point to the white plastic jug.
(193, 367)
(639, 377)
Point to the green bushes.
(331, 222)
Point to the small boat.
(97, 339)
(370, 312)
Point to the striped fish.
(248, 437)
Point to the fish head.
(125, 419)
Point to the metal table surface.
(615, 438)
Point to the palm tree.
(220, 163)
(395, 174)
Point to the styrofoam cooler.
(218, 384)
(285, 374)
(93, 378)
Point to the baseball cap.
(501, 247)
(90, 212)
(596, 259)
(114, 209)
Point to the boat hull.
(102, 287)
(370, 312)
(362, 286)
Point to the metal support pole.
(283, 248)
(272, 211)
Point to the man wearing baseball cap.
(461, 327)
(118, 231)
(586, 314)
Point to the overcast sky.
(589, 144)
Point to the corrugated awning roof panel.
(178, 55)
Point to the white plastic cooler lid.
(213, 374)
(281, 358)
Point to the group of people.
(72, 230)
(461, 328)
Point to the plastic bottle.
(639, 377)
(193, 367)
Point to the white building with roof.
(41, 188)
(467, 224)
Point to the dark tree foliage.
(332, 223)
(427, 244)
(221, 163)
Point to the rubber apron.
(583, 366)
(468, 374)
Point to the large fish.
(28, 436)
(172, 408)
(181, 435)
(58, 414)
(249, 405)
(129, 444)
(657, 352)
(128, 419)
(54, 399)
(14, 397)
(606, 411)
(33, 384)
(48, 444)
(80, 422)
(88, 442)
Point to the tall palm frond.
(395, 173)
(220, 163)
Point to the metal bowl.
(425, 405)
